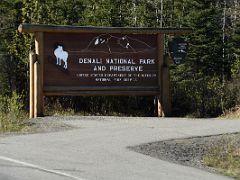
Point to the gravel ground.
(187, 151)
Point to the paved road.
(96, 150)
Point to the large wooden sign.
(93, 61)
(121, 63)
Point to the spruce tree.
(199, 79)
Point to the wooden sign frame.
(39, 89)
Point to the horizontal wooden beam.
(98, 88)
(33, 28)
(102, 93)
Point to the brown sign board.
(94, 61)
(82, 60)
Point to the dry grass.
(224, 159)
(232, 113)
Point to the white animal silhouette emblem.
(61, 55)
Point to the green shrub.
(12, 116)
(199, 95)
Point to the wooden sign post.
(99, 61)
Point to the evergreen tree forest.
(206, 85)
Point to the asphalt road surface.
(95, 148)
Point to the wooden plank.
(166, 101)
(86, 73)
(31, 84)
(158, 99)
(32, 28)
(98, 88)
(102, 93)
(166, 98)
(38, 76)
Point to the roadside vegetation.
(225, 159)
(12, 116)
(233, 113)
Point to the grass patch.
(59, 112)
(224, 159)
(232, 113)
(9, 123)
(12, 116)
